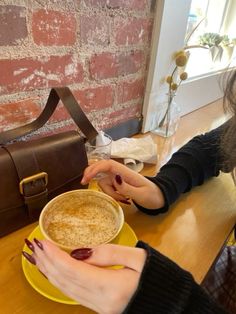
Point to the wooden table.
(192, 232)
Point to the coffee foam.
(81, 219)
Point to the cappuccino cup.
(81, 218)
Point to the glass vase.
(167, 117)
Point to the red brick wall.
(99, 48)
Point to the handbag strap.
(65, 95)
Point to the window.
(212, 17)
(169, 32)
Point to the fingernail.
(81, 254)
(118, 179)
(125, 202)
(29, 244)
(38, 243)
(29, 258)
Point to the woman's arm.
(191, 165)
(122, 184)
(198, 160)
(164, 288)
(148, 283)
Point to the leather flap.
(61, 156)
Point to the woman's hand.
(121, 183)
(100, 289)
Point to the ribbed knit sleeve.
(165, 288)
(198, 160)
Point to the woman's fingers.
(119, 191)
(59, 267)
(111, 167)
(103, 255)
(88, 284)
(146, 194)
(48, 256)
(113, 254)
(121, 183)
(92, 170)
(108, 186)
(72, 277)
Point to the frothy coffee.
(82, 219)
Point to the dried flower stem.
(193, 30)
(170, 98)
(195, 46)
(181, 59)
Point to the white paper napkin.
(135, 151)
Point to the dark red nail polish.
(125, 202)
(81, 254)
(38, 243)
(29, 258)
(118, 179)
(29, 244)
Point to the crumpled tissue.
(134, 151)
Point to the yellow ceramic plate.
(43, 286)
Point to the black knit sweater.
(195, 162)
(164, 287)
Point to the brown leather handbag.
(33, 172)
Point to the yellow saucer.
(43, 286)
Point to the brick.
(28, 73)
(89, 99)
(109, 65)
(126, 113)
(130, 90)
(131, 31)
(61, 127)
(60, 114)
(119, 116)
(13, 25)
(104, 65)
(15, 114)
(136, 5)
(53, 28)
(94, 30)
(52, 128)
(95, 98)
(130, 63)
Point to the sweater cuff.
(163, 285)
(154, 212)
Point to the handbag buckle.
(37, 176)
